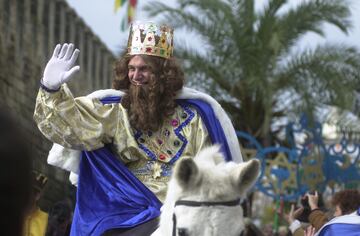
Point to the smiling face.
(139, 72)
(150, 84)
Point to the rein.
(235, 202)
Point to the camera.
(304, 201)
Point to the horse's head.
(204, 195)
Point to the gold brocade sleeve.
(80, 123)
(197, 135)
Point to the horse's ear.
(245, 175)
(186, 172)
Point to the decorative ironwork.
(309, 163)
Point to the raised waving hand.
(61, 67)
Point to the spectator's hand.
(60, 67)
(309, 231)
(313, 200)
(293, 214)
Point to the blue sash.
(109, 196)
(213, 126)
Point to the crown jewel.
(150, 39)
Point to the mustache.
(138, 92)
(147, 105)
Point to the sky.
(99, 15)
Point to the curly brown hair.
(348, 200)
(149, 105)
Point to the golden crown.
(150, 39)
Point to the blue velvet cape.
(109, 196)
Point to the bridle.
(235, 202)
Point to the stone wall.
(29, 30)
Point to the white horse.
(204, 195)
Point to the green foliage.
(248, 63)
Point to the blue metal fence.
(309, 163)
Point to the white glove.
(60, 67)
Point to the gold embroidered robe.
(87, 124)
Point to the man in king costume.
(122, 143)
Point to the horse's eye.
(182, 232)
